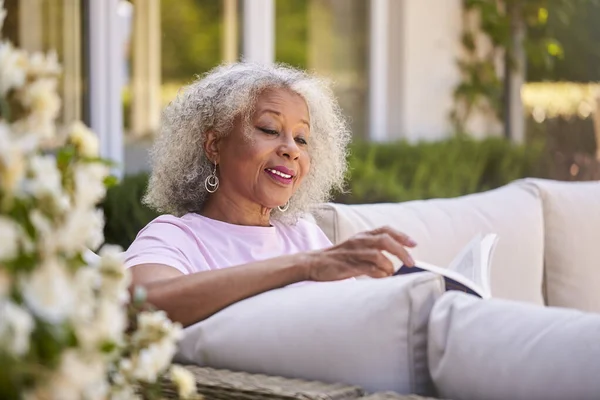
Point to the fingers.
(387, 242)
(401, 237)
(375, 258)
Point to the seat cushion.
(442, 227)
(572, 243)
(499, 349)
(369, 333)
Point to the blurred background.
(444, 97)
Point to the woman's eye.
(301, 140)
(269, 131)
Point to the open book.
(470, 271)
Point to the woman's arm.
(191, 298)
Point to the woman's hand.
(361, 255)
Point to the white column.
(259, 31)
(378, 70)
(516, 78)
(230, 31)
(105, 61)
(72, 79)
(30, 25)
(146, 102)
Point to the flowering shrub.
(64, 331)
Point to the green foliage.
(124, 212)
(291, 31)
(401, 171)
(482, 86)
(191, 37)
(574, 27)
(389, 172)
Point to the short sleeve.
(166, 240)
(313, 235)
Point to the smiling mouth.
(279, 173)
(279, 176)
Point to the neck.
(221, 207)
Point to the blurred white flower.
(12, 161)
(84, 139)
(10, 237)
(16, 325)
(82, 229)
(45, 177)
(106, 326)
(153, 326)
(50, 291)
(13, 68)
(184, 381)
(42, 100)
(80, 376)
(89, 183)
(123, 393)
(41, 64)
(115, 278)
(151, 361)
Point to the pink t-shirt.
(194, 243)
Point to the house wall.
(431, 47)
(432, 31)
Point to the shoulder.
(170, 224)
(307, 231)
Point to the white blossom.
(115, 278)
(184, 381)
(45, 177)
(84, 139)
(80, 376)
(12, 161)
(82, 229)
(50, 292)
(10, 237)
(13, 68)
(124, 393)
(42, 100)
(89, 183)
(107, 325)
(41, 64)
(153, 360)
(16, 325)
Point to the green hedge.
(389, 172)
(393, 172)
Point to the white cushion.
(498, 349)
(370, 333)
(572, 254)
(442, 227)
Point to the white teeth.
(286, 176)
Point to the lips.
(281, 174)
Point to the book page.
(473, 262)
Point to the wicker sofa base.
(216, 384)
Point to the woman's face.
(267, 168)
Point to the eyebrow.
(268, 110)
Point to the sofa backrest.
(442, 227)
(572, 243)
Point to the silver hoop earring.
(285, 207)
(211, 183)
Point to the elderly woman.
(243, 154)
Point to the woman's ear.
(211, 146)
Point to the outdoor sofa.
(548, 255)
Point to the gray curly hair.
(180, 166)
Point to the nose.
(289, 148)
